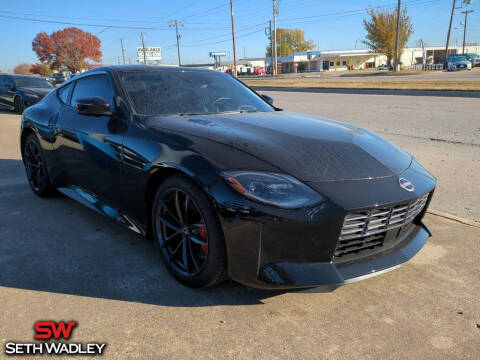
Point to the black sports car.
(224, 182)
(17, 92)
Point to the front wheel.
(18, 105)
(36, 166)
(187, 229)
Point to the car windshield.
(189, 92)
(460, 58)
(32, 81)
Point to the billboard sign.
(151, 53)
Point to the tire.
(18, 105)
(36, 167)
(188, 232)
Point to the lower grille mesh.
(366, 229)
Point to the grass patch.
(384, 73)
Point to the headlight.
(274, 189)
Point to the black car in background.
(225, 183)
(17, 92)
(58, 78)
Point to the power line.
(222, 41)
(83, 24)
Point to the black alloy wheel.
(35, 166)
(187, 229)
(18, 105)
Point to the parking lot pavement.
(442, 132)
(61, 261)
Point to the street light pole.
(466, 12)
(397, 36)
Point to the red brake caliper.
(202, 231)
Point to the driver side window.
(93, 86)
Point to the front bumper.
(330, 275)
(274, 248)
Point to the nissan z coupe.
(227, 184)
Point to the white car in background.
(459, 63)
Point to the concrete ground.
(61, 261)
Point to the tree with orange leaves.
(70, 48)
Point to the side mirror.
(267, 98)
(95, 106)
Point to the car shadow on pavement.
(57, 245)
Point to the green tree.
(290, 41)
(42, 69)
(381, 31)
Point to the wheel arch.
(158, 175)
(25, 133)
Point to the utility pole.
(466, 12)
(276, 4)
(397, 36)
(271, 45)
(142, 36)
(177, 23)
(123, 51)
(448, 34)
(233, 40)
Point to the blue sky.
(331, 24)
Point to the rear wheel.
(36, 166)
(187, 229)
(18, 105)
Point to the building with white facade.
(361, 59)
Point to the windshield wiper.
(219, 113)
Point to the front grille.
(366, 229)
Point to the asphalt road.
(473, 75)
(442, 132)
(61, 261)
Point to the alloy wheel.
(19, 107)
(34, 165)
(182, 232)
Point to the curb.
(454, 218)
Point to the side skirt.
(92, 202)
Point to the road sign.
(151, 53)
(217, 53)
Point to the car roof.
(147, 68)
(23, 76)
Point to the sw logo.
(51, 330)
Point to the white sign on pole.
(151, 53)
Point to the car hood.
(36, 90)
(307, 147)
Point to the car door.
(8, 92)
(90, 146)
(2, 89)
